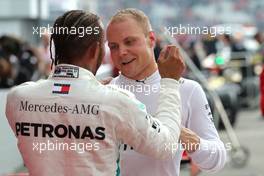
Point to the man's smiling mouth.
(128, 62)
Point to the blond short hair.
(140, 17)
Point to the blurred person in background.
(131, 42)
(5, 72)
(209, 44)
(224, 46)
(44, 55)
(191, 49)
(21, 60)
(259, 37)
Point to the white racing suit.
(70, 124)
(196, 115)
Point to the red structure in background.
(262, 92)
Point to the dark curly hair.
(71, 45)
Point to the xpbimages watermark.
(192, 147)
(79, 147)
(196, 30)
(80, 31)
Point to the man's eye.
(129, 42)
(112, 47)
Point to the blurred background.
(229, 65)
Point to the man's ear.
(152, 39)
(94, 51)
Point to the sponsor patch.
(61, 88)
(66, 72)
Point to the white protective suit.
(196, 115)
(70, 124)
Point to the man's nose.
(122, 50)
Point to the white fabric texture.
(196, 115)
(86, 112)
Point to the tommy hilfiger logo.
(61, 88)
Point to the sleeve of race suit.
(148, 135)
(10, 110)
(211, 155)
